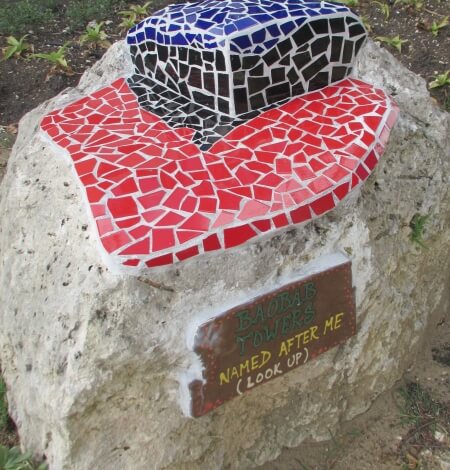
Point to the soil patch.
(24, 82)
(405, 428)
(425, 54)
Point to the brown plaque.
(271, 335)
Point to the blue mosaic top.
(252, 26)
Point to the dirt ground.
(378, 439)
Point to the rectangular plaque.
(263, 339)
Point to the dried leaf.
(12, 128)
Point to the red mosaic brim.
(157, 198)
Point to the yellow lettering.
(301, 338)
(225, 378)
(337, 320)
(290, 342)
(265, 358)
(306, 337)
(244, 366)
(333, 323)
(298, 337)
(328, 325)
(283, 350)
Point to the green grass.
(13, 459)
(19, 16)
(22, 15)
(419, 407)
(80, 12)
(424, 416)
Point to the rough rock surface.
(91, 358)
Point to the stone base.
(92, 359)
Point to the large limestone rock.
(92, 359)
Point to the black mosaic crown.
(213, 65)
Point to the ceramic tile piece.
(323, 204)
(188, 253)
(237, 235)
(342, 190)
(212, 243)
(262, 225)
(160, 261)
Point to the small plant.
(440, 80)
(417, 225)
(13, 459)
(128, 22)
(139, 11)
(16, 47)
(416, 403)
(424, 416)
(436, 27)
(95, 36)
(58, 59)
(134, 14)
(384, 7)
(394, 42)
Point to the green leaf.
(9, 52)
(417, 226)
(55, 57)
(16, 47)
(128, 22)
(12, 41)
(440, 80)
(436, 27)
(394, 42)
(94, 35)
(14, 459)
(384, 7)
(44, 56)
(3, 456)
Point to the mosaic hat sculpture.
(239, 119)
